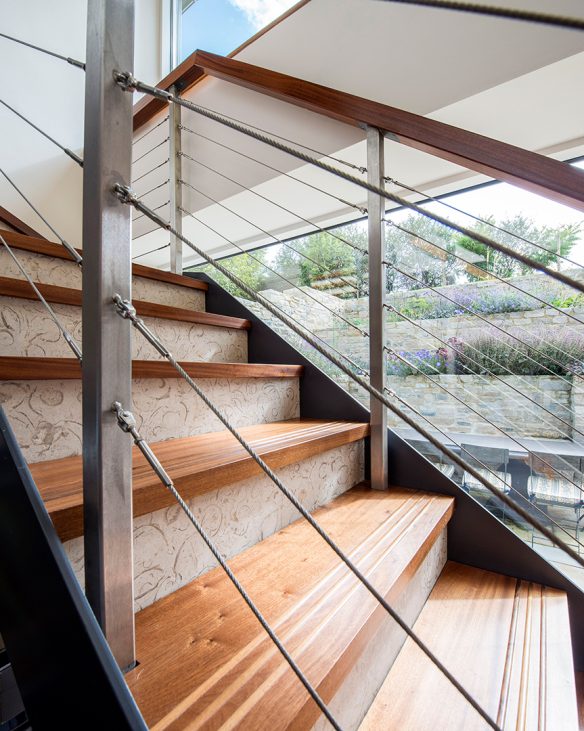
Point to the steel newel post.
(377, 284)
(175, 177)
(107, 361)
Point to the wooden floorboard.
(54, 294)
(205, 662)
(32, 368)
(48, 248)
(507, 641)
(197, 465)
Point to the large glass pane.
(220, 26)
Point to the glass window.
(221, 26)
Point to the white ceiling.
(521, 83)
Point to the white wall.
(51, 93)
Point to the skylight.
(221, 26)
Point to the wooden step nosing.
(265, 660)
(191, 480)
(57, 251)
(66, 296)
(318, 594)
(35, 368)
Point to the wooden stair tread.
(506, 640)
(10, 287)
(580, 694)
(204, 661)
(48, 248)
(32, 368)
(197, 464)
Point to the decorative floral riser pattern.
(168, 553)
(26, 329)
(62, 273)
(46, 415)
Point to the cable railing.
(126, 196)
(332, 312)
(74, 254)
(130, 83)
(259, 228)
(69, 339)
(127, 311)
(266, 165)
(502, 248)
(482, 415)
(279, 274)
(479, 219)
(454, 450)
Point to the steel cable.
(69, 339)
(130, 83)
(126, 310)
(66, 150)
(126, 196)
(71, 61)
(127, 423)
(74, 255)
(529, 16)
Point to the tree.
(421, 248)
(248, 268)
(558, 240)
(322, 255)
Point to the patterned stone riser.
(46, 415)
(62, 273)
(168, 553)
(27, 329)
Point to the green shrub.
(556, 355)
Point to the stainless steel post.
(175, 176)
(377, 284)
(107, 362)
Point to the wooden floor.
(506, 640)
(205, 662)
(197, 465)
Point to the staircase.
(203, 660)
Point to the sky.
(220, 26)
(506, 201)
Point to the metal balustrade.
(109, 203)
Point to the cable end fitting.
(125, 80)
(124, 193)
(124, 307)
(126, 420)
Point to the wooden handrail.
(555, 180)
